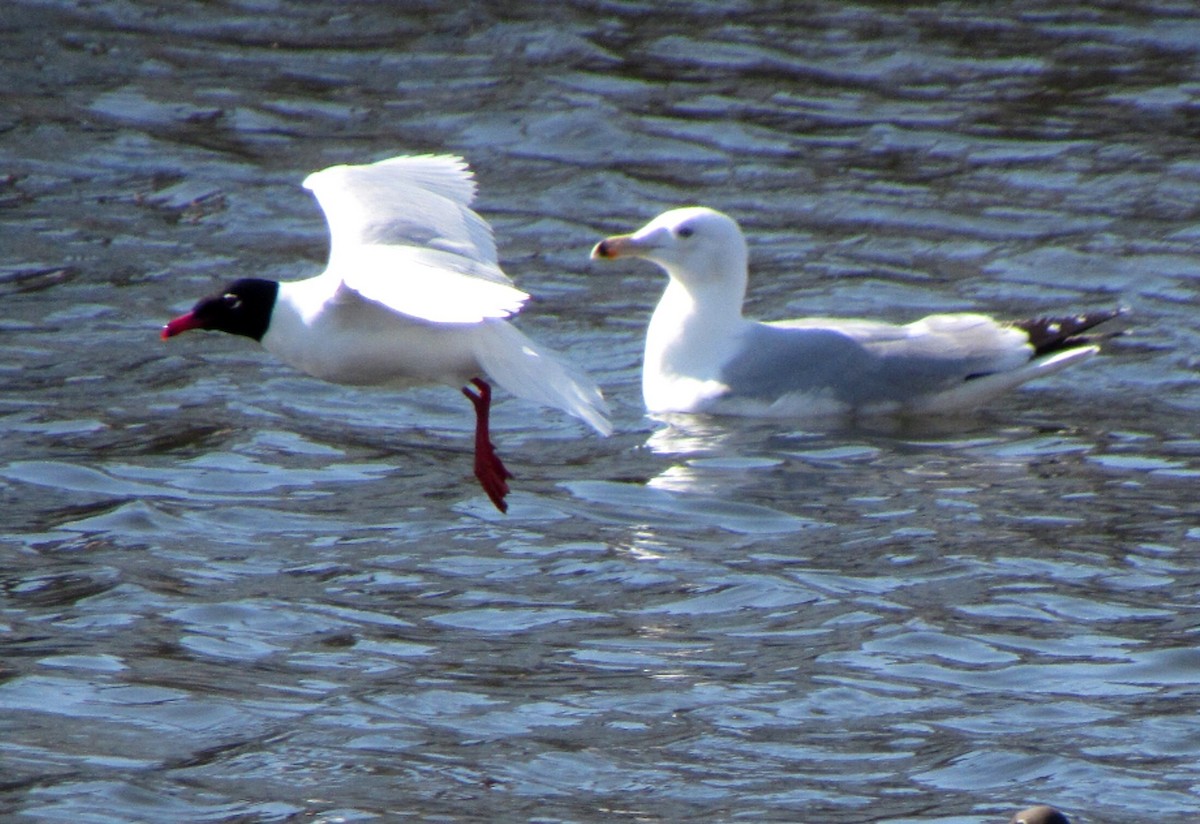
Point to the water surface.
(231, 593)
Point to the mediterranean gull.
(413, 294)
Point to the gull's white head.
(697, 246)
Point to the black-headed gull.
(412, 294)
(703, 356)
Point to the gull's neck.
(693, 331)
(298, 308)
(699, 306)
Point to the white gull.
(702, 356)
(413, 294)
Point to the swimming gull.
(701, 355)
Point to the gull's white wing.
(862, 362)
(402, 234)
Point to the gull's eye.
(685, 231)
(231, 300)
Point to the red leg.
(491, 472)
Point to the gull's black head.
(241, 308)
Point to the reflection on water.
(233, 594)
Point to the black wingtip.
(1054, 333)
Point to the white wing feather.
(403, 235)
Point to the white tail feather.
(539, 374)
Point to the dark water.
(233, 594)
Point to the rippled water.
(231, 593)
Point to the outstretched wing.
(403, 235)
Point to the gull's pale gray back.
(888, 365)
